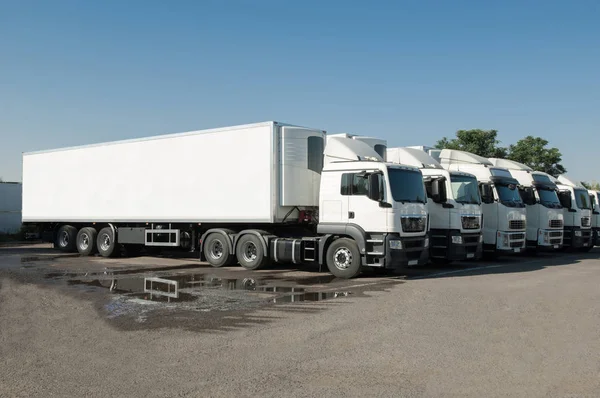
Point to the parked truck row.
(273, 192)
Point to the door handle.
(350, 214)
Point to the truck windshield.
(509, 195)
(582, 197)
(549, 198)
(465, 189)
(407, 186)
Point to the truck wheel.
(86, 241)
(250, 253)
(66, 238)
(216, 250)
(107, 243)
(343, 258)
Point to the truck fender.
(352, 230)
(256, 232)
(225, 232)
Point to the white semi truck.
(454, 205)
(577, 211)
(595, 199)
(504, 214)
(250, 194)
(545, 219)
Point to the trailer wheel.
(86, 241)
(66, 238)
(216, 250)
(107, 243)
(343, 258)
(250, 252)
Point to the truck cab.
(381, 206)
(577, 211)
(454, 206)
(595, 199)
(504, 214)
(544, 212)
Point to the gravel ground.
(518, 328)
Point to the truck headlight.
(426, 244)
(395, 244)
(481, 238)
(457, 240)
(578, 234)
(505, 241)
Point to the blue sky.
(74, 72)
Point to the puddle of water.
(196, 288)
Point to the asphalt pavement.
(163, 327)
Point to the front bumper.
(511, 242)
(452, 245)
(414, 252)
(549, 240)
(576, 237)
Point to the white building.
(10, 207)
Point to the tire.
(216, 250)
(343, 258)
(250, 252)
(66, 239)
(86, 241)
(107, 243)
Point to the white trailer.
(249, 194)
(577, 211)
(595, 198)
(504, 215)
(454, 206)
(545, 220)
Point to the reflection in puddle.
(204, 288)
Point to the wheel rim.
(342, 258)
(105, 242)
(84, 241)
(249, 252)
(216, 249)
(63, 240)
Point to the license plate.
(517, 249)
(413, 262)
(470, 255)
(556, 246)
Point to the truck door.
(361, 210)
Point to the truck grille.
(554, 234)
(471, 239)
(585, 221)
(556, 223)
(586, 234)
(517, 237)
(516, 224)
(414, 224)
(470, 222)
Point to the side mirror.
(438, 190)
(375, 192)
(528, 196)
(565, 199)
(487, 193)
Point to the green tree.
(480, 142)
(532, 151)
(595, 186)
